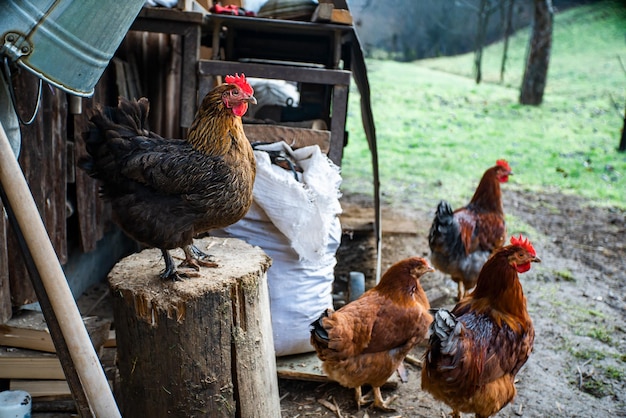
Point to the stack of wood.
(28, 359)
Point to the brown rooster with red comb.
(475, 351)
(461, 241)
(164, 191)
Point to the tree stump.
(201, 347)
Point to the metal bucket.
(67, 43)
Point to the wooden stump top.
(200, 347)
(236, 260)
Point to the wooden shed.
(172, 57)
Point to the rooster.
(364, 341)
(461, 241)
(164, 192)
(476, 350)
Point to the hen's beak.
(535, 259)
(251, 100)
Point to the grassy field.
(438, 130)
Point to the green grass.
(438, 130)
(601, 334)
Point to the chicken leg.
(383, 404)
(379, 402)
(461, 289)
(170, 272)
(194, 258)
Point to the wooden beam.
(287, 71)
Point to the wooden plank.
(94, 214)
(54, 178)
(40, 388)
(33, 339)
(341, 16)
(111, 341)
(28, 329)
(86, 190)
(323, 12)
(5, 288)
(171, 102)
(338, 123)
(50, 389)
(29, 364)
(308, 367)
(33, 163)
(305, 366)
(277, 72)
(294, 137)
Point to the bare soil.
(576, 298)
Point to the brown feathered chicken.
(364, 341)
(163, 191)
(461, 241)
(476, 350)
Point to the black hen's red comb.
(524, 243)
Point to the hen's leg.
(360, 399)
(461, 290)
(170, 272)
(380, 403)
(195, 258)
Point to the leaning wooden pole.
(75, 334)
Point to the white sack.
(297, 225)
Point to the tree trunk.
(536, 72)
(507, 16)
(201, 347)
(622, 142)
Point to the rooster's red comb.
(240, 81)
(504, 164)
(524, 243)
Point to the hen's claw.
(195, 258)
(383, 405)
(170, 272)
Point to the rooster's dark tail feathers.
(445, 331)
(318, 332)
(443, 229)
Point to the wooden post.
(201, 347)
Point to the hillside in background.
(406, 30)
(437, 129)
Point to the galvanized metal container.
(67, 43)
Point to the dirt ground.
(576, 299)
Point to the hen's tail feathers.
(444, 229)
(129, 118)
(444, 331)
(318, 332)
(108, 134)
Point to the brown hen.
(476, 350)
(461, 241)
(364, 341)
(163, 191)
